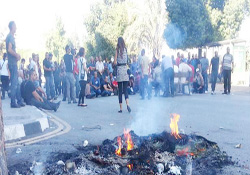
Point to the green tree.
(146, 26)
(108, 21)
(2, 44)
(189, 26)
(56, 40)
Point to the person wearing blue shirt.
(95, 85)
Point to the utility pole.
(3, 162)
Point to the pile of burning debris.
(165, 153)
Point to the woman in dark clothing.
(57, 80)
(121, 60)
(83, 72)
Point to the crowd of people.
(76, 78)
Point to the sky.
(35, 18)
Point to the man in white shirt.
(168, 72)
(99, 67)
(184, 71)
(4, 75)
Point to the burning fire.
(184, 152)
(130, 166)
(130, 144)
(174, 126)
(118, 151)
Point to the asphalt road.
(224, 119)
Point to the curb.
(17, 131)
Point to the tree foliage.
(141, 26)
(195, 23)
(2, 44)
(56, 40)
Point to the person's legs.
(171, 80)
(80, 93)
(5, 81)
(229, 81)
(44, 105)
(225, 80)
(77, 84)
(120, 88)
(52, 86)
(167, 81)
(47, 79)
(104, 93)
(68, 87)
(14, 82)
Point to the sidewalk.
(22, 122)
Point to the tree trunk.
(3, 162)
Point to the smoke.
(174, 35)
(152, 117)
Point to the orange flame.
(174, 125)
(118, 151)
(184, 152)
(130, 144)
(130, 166)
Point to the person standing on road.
(204, 68)
(70, 80)
(145, 72)
(83, 73)
(227, 66)
(13, 58)
(48, 74)
(4, 75)
(215, 68)
(121, 60)
(168, 74)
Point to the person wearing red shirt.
(76, 71)
(178, 59)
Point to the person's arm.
(232, 64)
(37, 96)
(42, 91)
(210, 67)
(142, 69)
(12, 52)
(115, 60)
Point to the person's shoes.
(228, 93)
(142, 98)
(64, 99)
(21, 104)
(120, 111)
(69, 102)
(172, 95)
(212, 93)
(84, 105)
(224, 93)
(57, 106)
(206, 92)
(14, 106)
(55, 98)
(74, 101)
(129, 109)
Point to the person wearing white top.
(100, 67)
(83, 71)
(4, 75)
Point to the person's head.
(96, 58)
(23, 61)
(12, 27)
(216, 53)
(192, 56)
(204, 54)
(120, 45)
(189, 55)
(5, 56)
(82, 52)
(32, 75)
(62, 62)
(92, 59)
(196, 56)
(134, 59)
(142, 52)
(95, 74)
(106, 79)
(46, 55)
(100, 58)
(67, 49)
(33, 56)
(73, 51)
(182, 56)
(228, 50)
(111, 75)
(50, 56)
(55, 63)
(178, 55)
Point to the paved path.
(224, 119)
